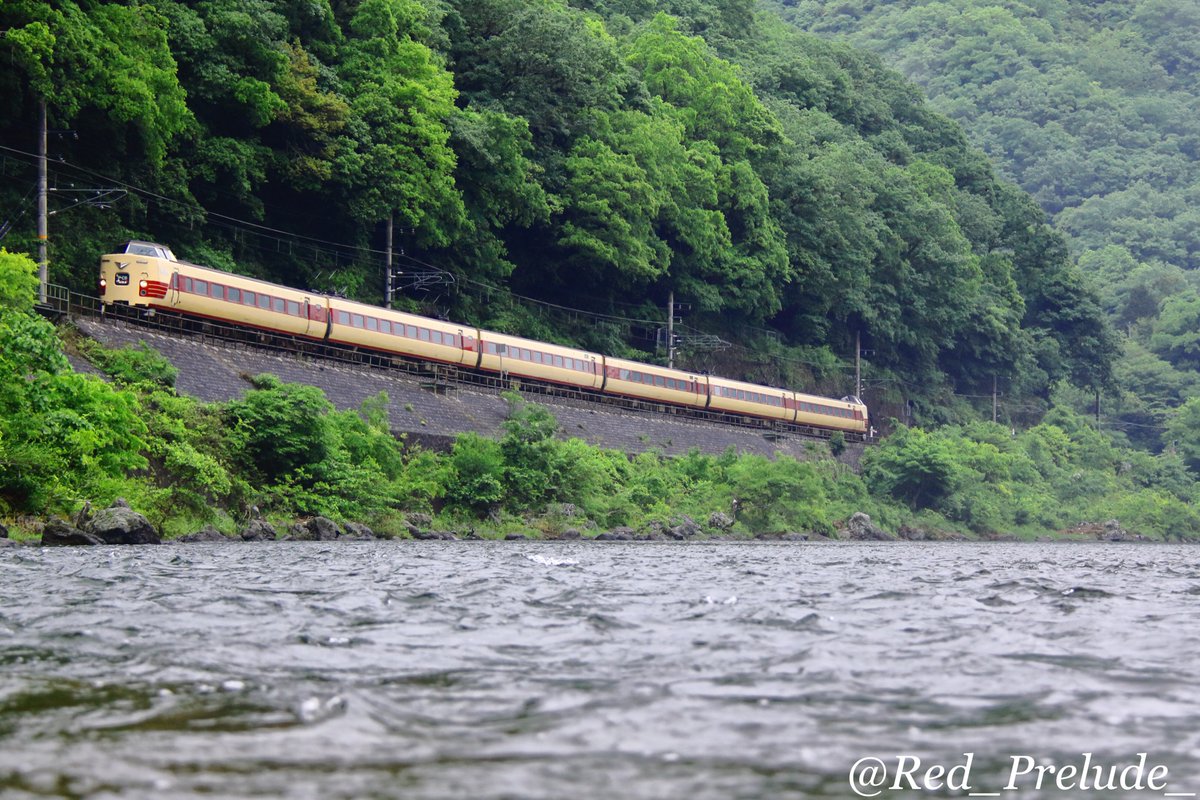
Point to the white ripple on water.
(551, 561)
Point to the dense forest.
(790, 192)
(1092, 108)
(561, 169)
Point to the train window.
(235, 295)
(264, 301)
(438, 337)
(410, 331)
(558, 361)
(372, 324)
(453, 340)
(343, 318)
(526, 355)
(356, 320)
(248, 298)
(277, 305)
(187, 285)
(537, 357)
(293, 308)
(660, 381)
(385, 326)
(423, 334)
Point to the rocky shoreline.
(120, 525)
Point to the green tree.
(396, 158)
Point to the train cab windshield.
(149, 249)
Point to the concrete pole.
(671, 329)
(388, 280)
(858, 364)
(43, 216)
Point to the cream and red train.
(149, 275)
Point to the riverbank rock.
(720, 520)
(1113, 532)
(622, 534)
(433, 536)
(259, 530)
(417, 519)
(684, 527)
(206, 534)
(60, 533)
(120, 524)
(317, 529)
(3, 531)
(356, 531)
(859, 528)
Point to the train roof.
(136, 247)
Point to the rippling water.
(578, 670)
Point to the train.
(149, 276)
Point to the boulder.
(860, 528)
(357, 531)
(720, 520)
(119, 524)
(60, 533)
(206, 534)
(259, 530)
(3, 531)
(429, 536)
(684, 527)
(418, 520)
(317, 529)
(617, 535)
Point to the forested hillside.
(790, 191)
(1094, 108)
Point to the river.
(595, 670)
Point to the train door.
(176, 286)
(308, 317)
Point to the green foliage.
(60, 432)
(133, 364)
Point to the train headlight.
(142, 284)
(103, 285)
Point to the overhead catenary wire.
(336, 250)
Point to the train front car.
(139, 275)
(750, 399)
(148, 275)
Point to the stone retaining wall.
(217, 372)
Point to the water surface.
(579, 670)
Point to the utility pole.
(388, 302)
(995, 400)
(43, 259)
(858, 364)
(671, 329)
